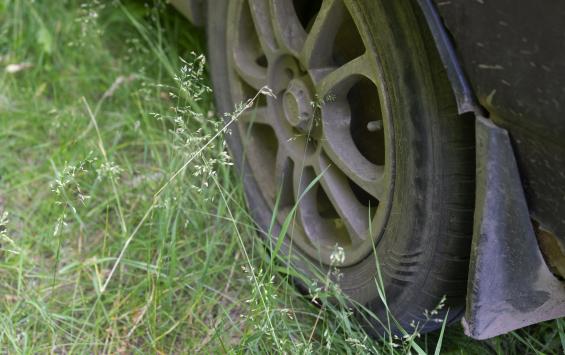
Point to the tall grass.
(123, 225)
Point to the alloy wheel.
(329, 122)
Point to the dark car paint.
(513, 54)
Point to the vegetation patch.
(123, 226)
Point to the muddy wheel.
(363, 109)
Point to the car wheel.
(363, 138)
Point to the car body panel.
(513, 54)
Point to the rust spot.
(552, 249)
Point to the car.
(423, 140)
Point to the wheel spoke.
(247, 49)
(340, 148)
(260, 12)
(287, 27)
(318, 44)
(251, 73)
(354, 215)
(255, 115)
(339, 80)
(315, 227)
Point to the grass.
(126, 230)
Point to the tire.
(423, 246)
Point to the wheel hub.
(298, 106)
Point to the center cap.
(297, 105)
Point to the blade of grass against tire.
(273, 221)
(290, 217)
(440, 340)
(561, 334)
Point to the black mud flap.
(510, 285)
